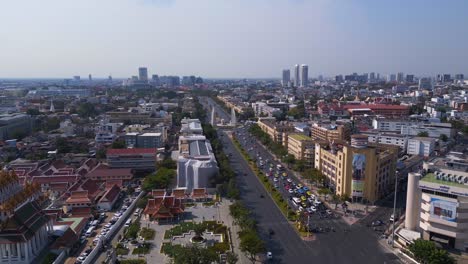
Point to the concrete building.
(191, 127)
(390, 125)
(143, 74)
(425, 84)
(437, 206)
(144, 140)
(433, 130)
(137, 158)
(422, 146)
(60, 92)
(196, 163)
(13, 125)
(304, 75)
(388, 139)
(275, 129)
(286, 78)
(363, 171)
(296, 76)
(263, 109)
(330, 131)
(301, 147)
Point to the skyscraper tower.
(296, 75)
(286, 78)
(304, 75)
(143, 74)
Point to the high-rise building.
(409, 78)
(304, 75)
(446, 78)
(155, 79)
(391, 78)
(339, 78)
(372, 77)
(459, 77)
(425, 84)
(296, 75)
(143, 74)
(90, 77)
(400, 77)
(286, 78)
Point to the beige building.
(301, 147)
(275, 129)
(362, 171)
(330, 132)
(438, 206)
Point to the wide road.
(358, 245)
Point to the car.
(305, 188)
(328, 211)
(303, 198)
(299, 185)
(108, 225)
(300, 208)
(275, 179)
(269, 255)
(81, 258)
(311, 200)
(309, 193)
(377, 223)
(317, 202)
(289, 180)
(291, 191)
(304, 204)
(309, 210)
(313, 208)
(392, 218)
(84, 254)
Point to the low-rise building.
(422, 146)
(390, 125)
(137, 158)
(388, 139)
(144, 140)
(433, 130)
(275, 129)
(301, 147)
(14, 125)
(330, 131)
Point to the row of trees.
(159, 180)
(250, 241)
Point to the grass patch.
(121, 250)
(144, 248)
(147, 233)
(132, 230)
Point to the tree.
(425, 251)
(443, 137)
(251, 244)
(33, 112)
(193, 255)
(231, 258)
(159, 180)
(87, 110)
(423, 134)
(119, 144)
(289, 159)
(199, 229)
(299, 165)
(101, 153)
(141, 203)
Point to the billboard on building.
(359, 167)
(442, 209)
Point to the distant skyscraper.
(296, 75)
(399, 77)
(109, 78)
(446, 78)
(391, 78)
(425, 84)
(409, 78)
(90, 78)
(339, 78)
(459, 77)
(76, 78)
(372, 77)
(286, 78)
(143, 74)
(304, 75)
(320, 78)
(378, 76)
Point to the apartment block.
(421, 146)
(301, 147)
(330, 132)
(275, 129)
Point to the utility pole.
(394, 210)
(308, 225)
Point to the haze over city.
(231, 39)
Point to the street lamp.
(394, 209)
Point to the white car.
(291, 191)
(317, 202)
(311, 200)
(301, 208)
(289, 180)
(269, 255)
(81, 258)
(313, 209)
(276, 179)
(328, 211)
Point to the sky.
(231, 38)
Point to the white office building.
(388, 139)
(389, 125)
(421, 146)
(434, 130)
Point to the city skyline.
(244, 39)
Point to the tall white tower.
(233, 117)
(296, 75)
(52, 107)
(212, 116)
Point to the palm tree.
(198, 229)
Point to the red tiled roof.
(132, 151)
(166, 207)
(376, 106)
(109, 183)
(105, 171)
(81, 211)
(158, 193)
(199, 193)
(54, 179)
(179, 193)
(111, 194)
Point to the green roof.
(300, 137)
(430, 177)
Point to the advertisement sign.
(359, 167)
(442, 209)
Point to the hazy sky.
(231, 38)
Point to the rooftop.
(300, 137)
(134, 151)
(431, 177)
